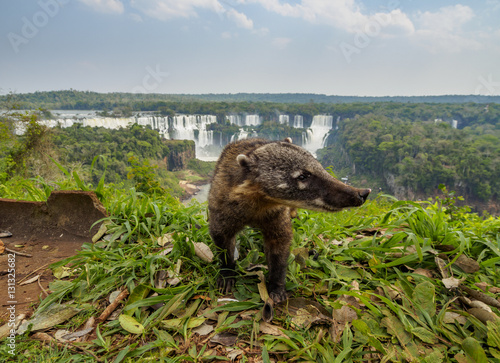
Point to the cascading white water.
(252, 120)
(246, 120)
(284, 119)
(184, 127)
(241, 135)
(194, 127)
(298, 122)
(314, 138)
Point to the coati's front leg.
(277, 240)
(227, 276)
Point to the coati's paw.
(278, 295)
(226, 282)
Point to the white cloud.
(169, 9)
(341, 14)
(446, 19)
(105, 6)
(240, 19)
(442, 30)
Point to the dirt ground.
(46, 232)
(43, 252)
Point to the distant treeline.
(86, 100)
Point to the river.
(201, 196)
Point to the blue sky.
(335, 47)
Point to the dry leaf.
(2, 247)
(5, 329)
(487, 287)
(271, 329)
(467, 264)
(451, 282)
(423, 272)
(344, 315)
(54, 315)
(30, 281)
(166, 250)
(77, 334)
(203, 251)
(114, 295)
(480, 305)
(235, 353)
(204, 329)
(60, 334)
(225, 338)
(451, 317)
(441, 265)
(166, 239)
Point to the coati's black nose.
(363, 194)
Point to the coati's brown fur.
(259, 183)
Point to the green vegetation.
(371, 283)
(132, 157)
(403, 149)
(416, 157)
(86, 100)
(384, 282)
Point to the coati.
(258, 183)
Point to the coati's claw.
(278, 296)
(225, 284)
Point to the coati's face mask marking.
(291, 176)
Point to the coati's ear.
(243, 160)
(289, 140)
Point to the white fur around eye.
(296, 174)
(301, 185)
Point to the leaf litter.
(364, 285)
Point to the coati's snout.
(363, 194)
(290, 175)
(333, 195)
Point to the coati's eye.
(304, 175)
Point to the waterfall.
(284, 119)
(243, 134)
(185, 127)
(246, 120)
(108, 122)
(298, 122)
(315, 137)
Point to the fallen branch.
(32, 272)
(18, 253)
(107, 312)
(41, 287)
